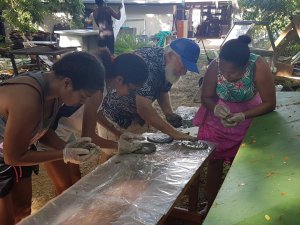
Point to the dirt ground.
(182, 94)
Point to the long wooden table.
(128, 189)
(263, 184)
(38, 50)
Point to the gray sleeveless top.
(44, 123)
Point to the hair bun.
(245, 39)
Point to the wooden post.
(13, 62)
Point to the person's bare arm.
(89, 122)
(151, 116)
(264, 81)
(108, 125)
(208, 95)
(52, 140)
(23, 117)
(116, 15)
(164, 103)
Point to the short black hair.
(236, 51)
(85, 71)
(131, 67)
(99, 2)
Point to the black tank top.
(103, 19)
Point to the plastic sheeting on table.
(187, 114)
(128, 189)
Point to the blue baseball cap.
(188, 51)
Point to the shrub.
(126, 43)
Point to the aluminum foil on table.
(126, 190)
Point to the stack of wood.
(17, 39)
(40, 36)
(288, 63)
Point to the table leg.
(191, 214)
(13, 62)
(193, 195)
(38, 62)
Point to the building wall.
(51, 19)
(149, 19)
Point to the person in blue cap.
(135, 112)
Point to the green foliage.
(291, 49)
(74, 7)
(126, 43)
(4, 45)
(24, 15)
(275, 11)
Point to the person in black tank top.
(29, 105)
(103, 18)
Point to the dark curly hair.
(236, 51)
(131, 67)
(84, 69)
(99, 2)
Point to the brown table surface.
(38, 50)
(42, 50)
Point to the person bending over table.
(135, 112)
(29, 105)
(238, 86)
(123, 75)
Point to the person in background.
(29, 105)
(237, 87)
(103, 18)
(124, 74)
(135, 112)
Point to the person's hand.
(128, 146)
(184, 136)
(80, 151)
(233, 120)
(174, 119)
(237, 117)
(228, 124)
(129, 142)
(221, 111)
(131, 136)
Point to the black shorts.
(107, 41)
(10, 175)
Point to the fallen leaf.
(267, 217)
(270, 174)
(282, 193)
(252, 141)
